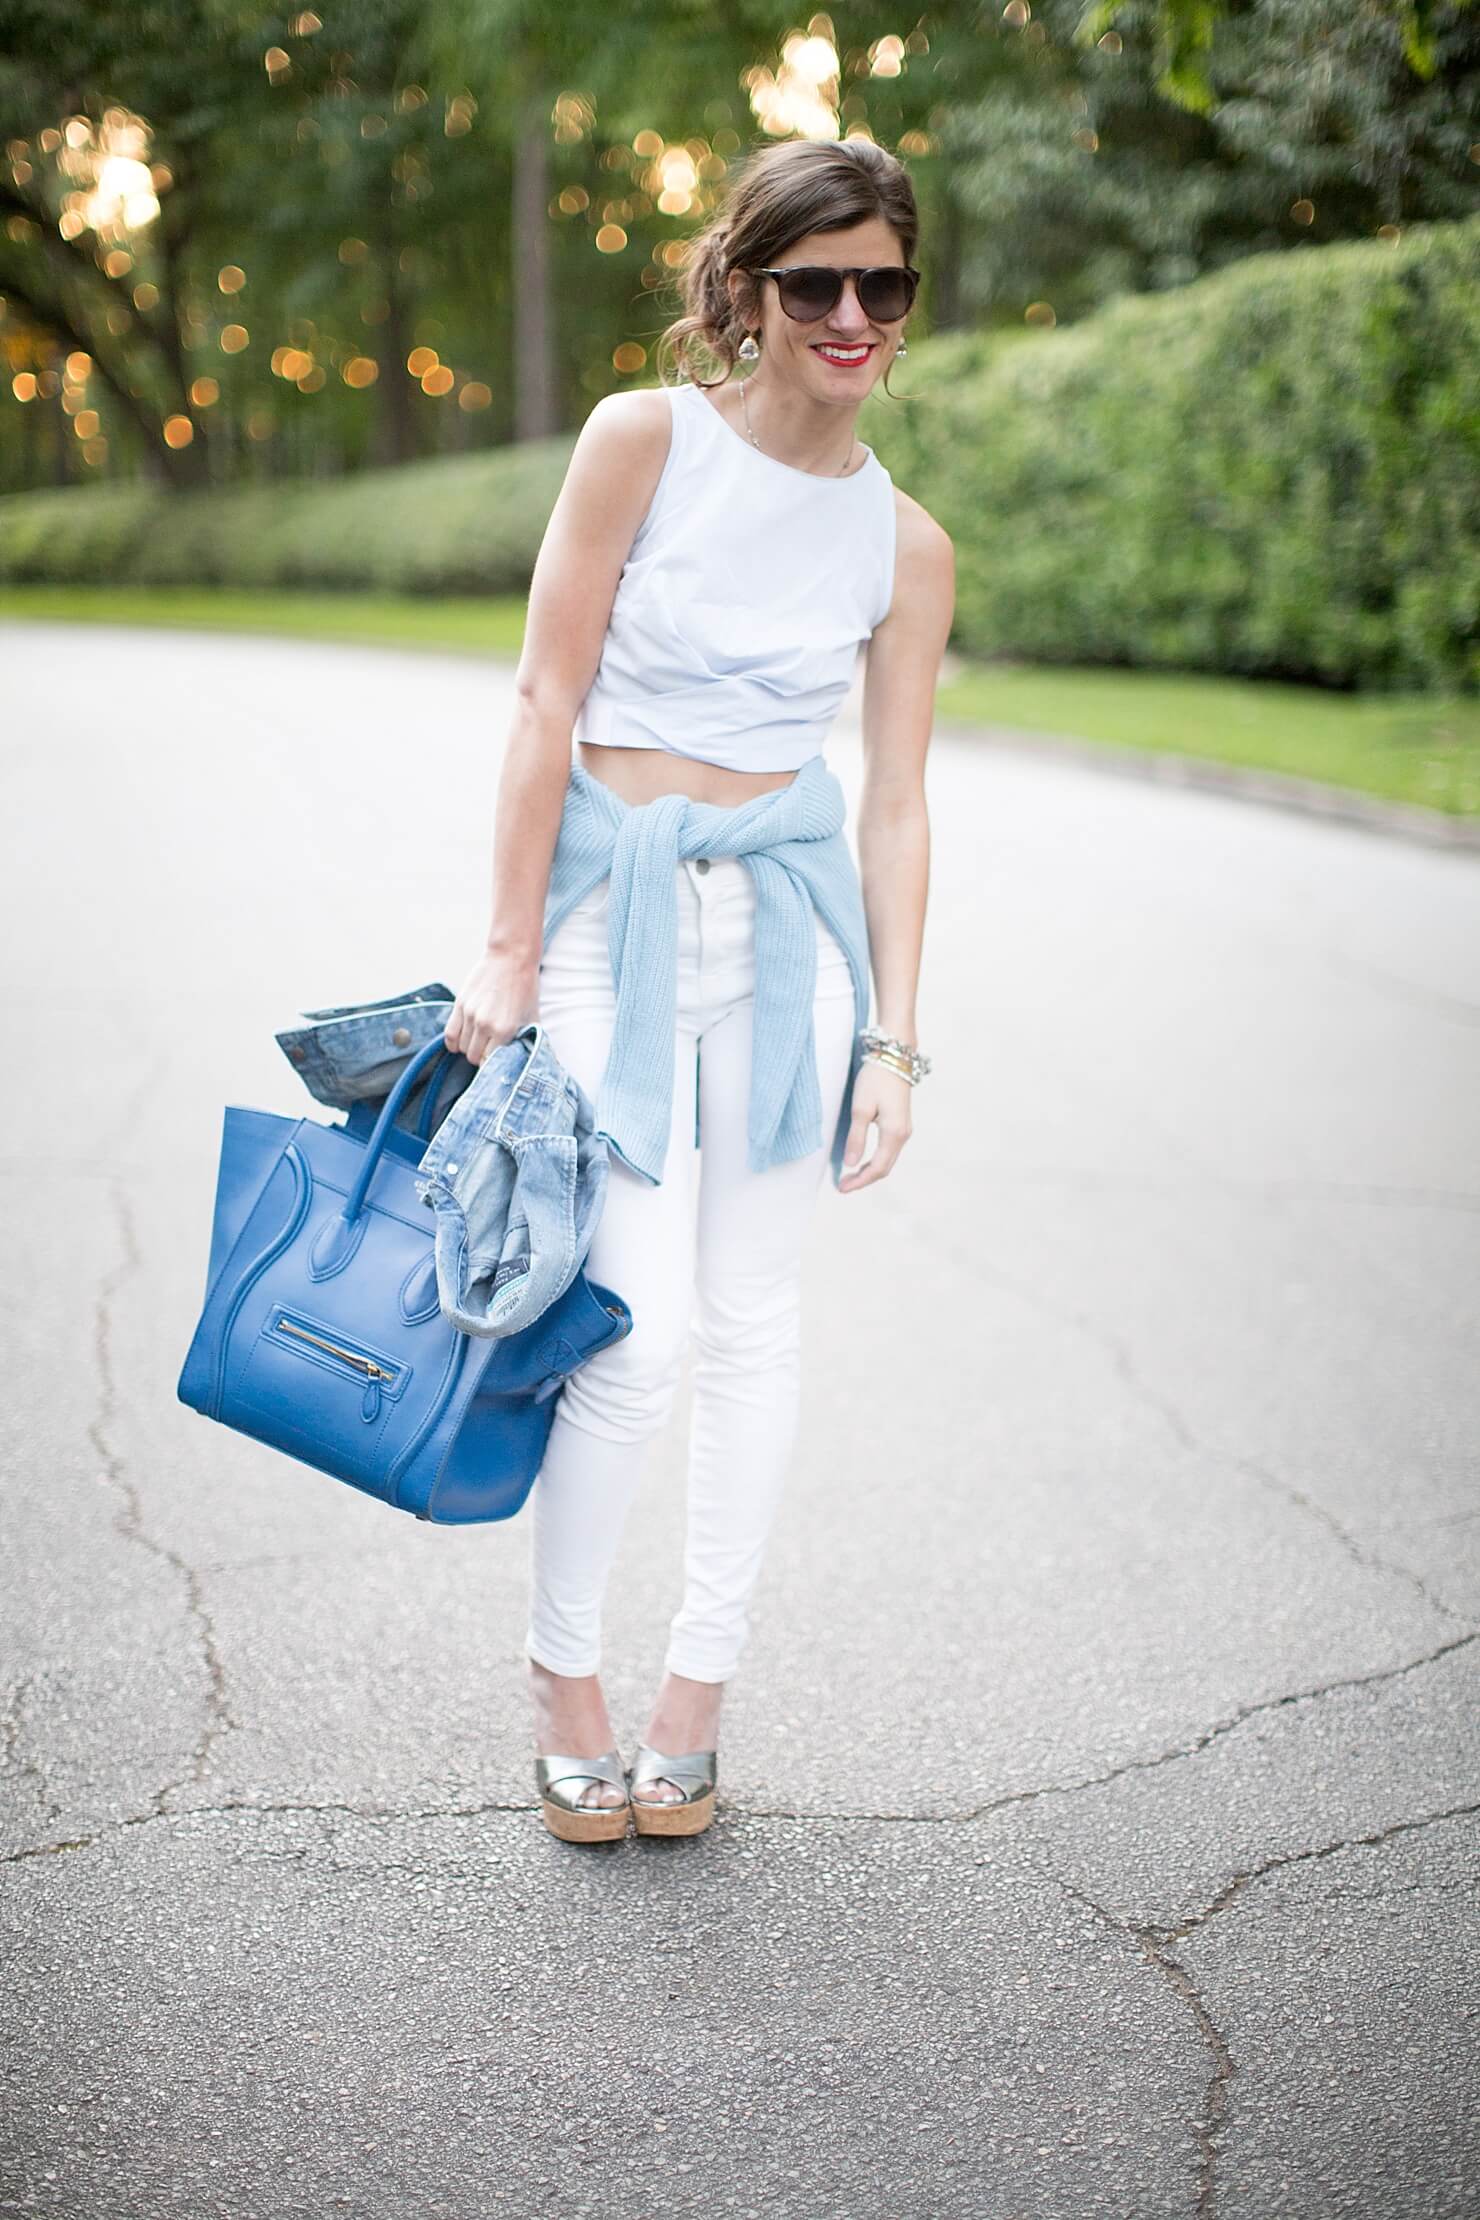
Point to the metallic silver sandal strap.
(551, 1770)
(693, 1773)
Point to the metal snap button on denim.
(401, 1036)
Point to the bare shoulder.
(928, 546)
(631, 428)
(924, 598)
(614, 469)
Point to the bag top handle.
(355, 1201)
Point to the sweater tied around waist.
(792, 841)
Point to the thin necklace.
(745, 404)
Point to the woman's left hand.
(881, 1098)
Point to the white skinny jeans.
(715, 1251)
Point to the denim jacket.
(514, 1169)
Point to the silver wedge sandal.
(562, 1781)
(694, 1773)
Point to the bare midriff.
(642, 774)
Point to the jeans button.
(701, 863)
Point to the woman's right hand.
(496, 999)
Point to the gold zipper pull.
(374, 1373)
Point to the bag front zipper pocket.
(379, 1374)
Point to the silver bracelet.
(883, 1048)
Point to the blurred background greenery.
(313, 301)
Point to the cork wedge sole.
(595, 1823)
(672, 1819)
(562, 1781)
(694, 1773)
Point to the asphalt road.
(1100, 1790)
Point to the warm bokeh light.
(118, 263)
(421, 360)
(231, 279)
(628, 357)
(234, 338)
(23, 385)
(801, 95)
(352, 251)
(610, 239)
(1039, 312)
(79, 367)
(438, 380)
(178, 431)
(277, 63)
(114, 189)
(204, 393)
(146, 296)
(573, 116)
(360, 371)
(475, 395)
(85, 423)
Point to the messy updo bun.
(780, 194)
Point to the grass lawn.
(1410, 748)
(470, 627)
(1402, 747)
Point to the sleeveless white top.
(746, 594)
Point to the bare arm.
(608, 486)
(902, 667)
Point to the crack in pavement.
(12, 1727)
(129, 1517)
(967, 1816)
(1111, 1346)
(1156, 1945)
(238, 1810)
(1209, 1735)
(1207, 2127)
(1235, 1887)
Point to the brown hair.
(781, 193)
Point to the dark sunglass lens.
(885, 293)
(808, 294)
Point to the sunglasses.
(810, 290)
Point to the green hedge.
(470, 525)
(1275, 470)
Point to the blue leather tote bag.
(322, 1334)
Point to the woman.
(716, 555)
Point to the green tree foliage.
(441, 224)
(1273, 471)
(1090, 166)
(344, 182)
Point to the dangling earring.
(901, 349)
(748, 351)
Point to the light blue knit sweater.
(792, 841)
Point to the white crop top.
(747, 591)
